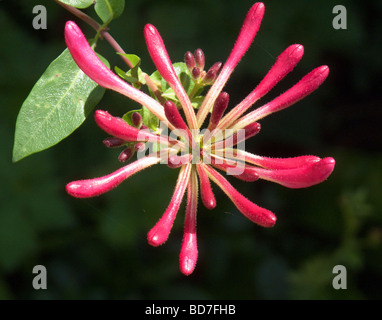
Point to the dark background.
(97, 248)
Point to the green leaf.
(134, 59)
(124, 75)
(80, 4)
(169, 94)
(108, 10)
(149, 119)
(57, 105)
(135, 74)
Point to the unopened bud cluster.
(195, 63)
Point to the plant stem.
(101, 31)
(79, 14)
(196, 88)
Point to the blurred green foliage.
(96, 248)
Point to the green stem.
(196, 88)
(101, 30)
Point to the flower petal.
(284, 64)
(172, 113)
(206, 193)
(119, 128)
(248, 132)
(300, 90)
(163, 63)
(283, 163)
(160, 232)
(97, 186)
(272, 163)
(95, 69)
(247, 33)
(261, 216)
(189, 251)
(235, 168)
(301, 177)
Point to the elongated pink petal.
(97, 186)
(95, 69)
(163, 63)
(247, 33)
(300, 90)
(119, 128)
(301, 177)
(172, 113)
(188, 254)
(160, 232)
(235, 168)
(206, 193)
(284, 64)
(272, 163)
(189, 251)
(282, 163)
(261, 216)
(249, 131)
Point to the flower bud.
(212, 73)
(136, 119)
(140, 146)
(173, 116)
(220, 106)
(196, 73)
(126, 154)
(199, 59)
(189, 60)
(113, 142)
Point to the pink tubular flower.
(199, 153)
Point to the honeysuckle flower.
(196, 152)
